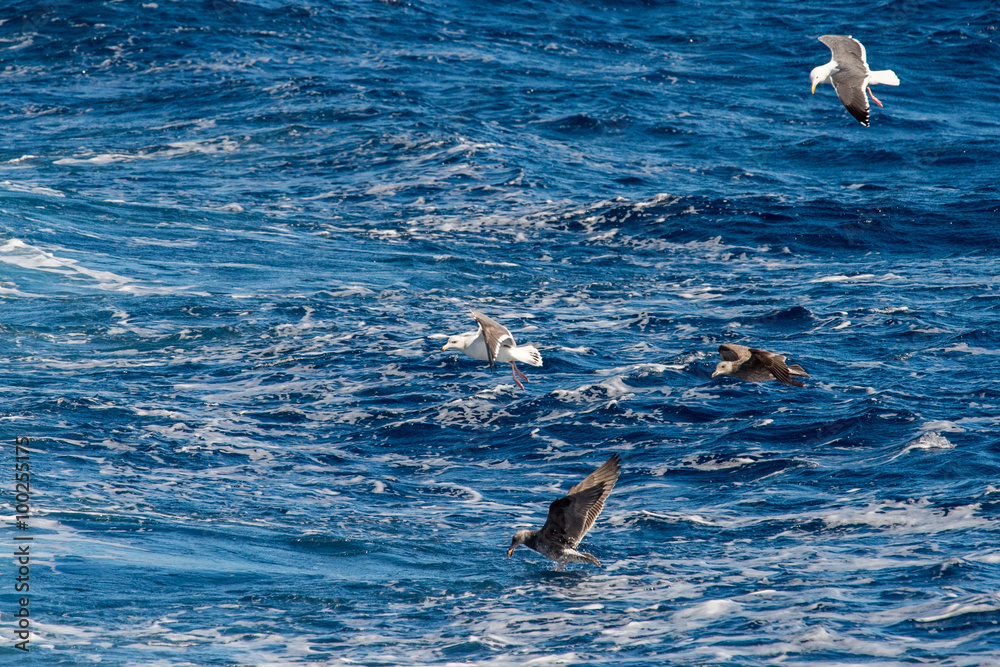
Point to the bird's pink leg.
(516, 380)
(518, 371)
(874, 99)
(560, 566)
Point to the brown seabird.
(753, 365)
(493, 342)
(571, 517)
(848, 72)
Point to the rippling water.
(235, 234)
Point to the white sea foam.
(911, 517)
(613, 387)
(693, 461)
(942, 425)
(101, 159)
(220, 145)
(959, 609)
(701, 293)
(967, 349)
(929, 440)
(639, 370)
(163, 243)
(18, 253)
(858, 278)
(470, 494)
(556, 447)
(30, 187)
(13, 291)
(697, 615)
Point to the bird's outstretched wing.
(734, 352)
(495, 334)
(571, 516)
(847, 51)
(851, 92)
(775, 364)
(851, 76)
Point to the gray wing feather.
(775, 364)
(851, 76)
(572, 516)
(795, 369)
(851, 92)
(847, 51)
(566, 524)
(734, 352)
(496, 335)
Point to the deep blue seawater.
(233, 236)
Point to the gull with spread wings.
(753, 365)
(850, 76)
(492, 343)
(571, 517)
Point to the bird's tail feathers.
(798, 371)
(883, 76)
(574, 556)
(527, 354)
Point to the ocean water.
(234, 235)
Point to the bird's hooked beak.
(445, 346)
(510, 551)
(714, 373)
(815, 83)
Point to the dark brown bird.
(753, 365)
(571, 517)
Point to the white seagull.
(493, 342)
(848, 72)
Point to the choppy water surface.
(234, 235)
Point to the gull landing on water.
(492, 343)
(571, 517)
(848, 72)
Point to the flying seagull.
(571, 517)
(753, 365)
(493, 343)
(848, 72)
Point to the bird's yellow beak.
(510, 551)
(814, 87)
(446, 346)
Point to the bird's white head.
(821, 74)
(520, 537)
(723, 368)
(456, 343)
